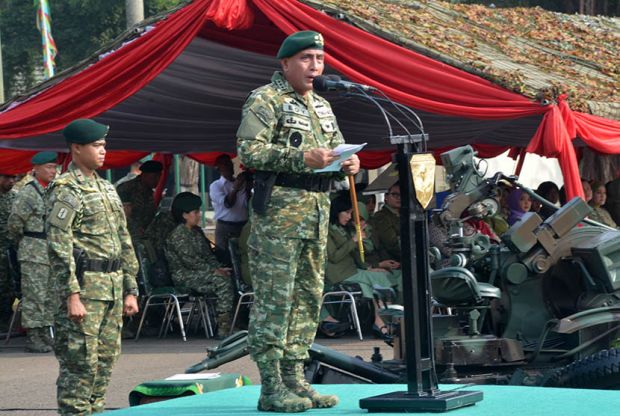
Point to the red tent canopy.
(259, 26)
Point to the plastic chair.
(245, 293)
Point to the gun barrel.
(215, 362)
(352, 365)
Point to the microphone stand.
(422, 393)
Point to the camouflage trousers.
(288, 277)
(7, 286)
(38, 295)
(208, 284)
(86, 353)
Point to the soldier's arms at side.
(20, 212)
(64, 207)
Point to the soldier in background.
(386, 226)
(286, 132)
(26, 227)
(85, 221)
(7, 287)
(193, 265)
(139, 191)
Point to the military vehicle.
(541, 307)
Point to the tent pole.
(177, 174)
(108, 175)
(520, 162)
(203, 194)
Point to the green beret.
(151, 166)
(42, 158)
(84, 131)
(306, 39)
(186, 202)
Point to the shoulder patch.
(263, 113)
(61, 216)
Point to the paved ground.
(27, 381)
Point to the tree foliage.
(79, 28)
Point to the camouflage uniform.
(87, 213)
(6, 281)
(26, 227)
(287, 243)
(193, 265)
(158, 230)
(143, 207)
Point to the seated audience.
(344, 263)
(519, 203)
(551, 193)
(386, 226)
(599, 197)
(587, 190)
(193, 265)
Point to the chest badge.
(296, 139)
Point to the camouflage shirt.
(87, 213)
(188, 251)
(28, 215)
(6, 202)
(143, 207)
(277, 126)
(159, 229)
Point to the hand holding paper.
(344, 151)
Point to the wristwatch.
(133, 291)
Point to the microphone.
(335, 83)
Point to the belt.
(34, 234)
(232, 222)
(102, 265)
(309, 182)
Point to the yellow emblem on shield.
(423, 174)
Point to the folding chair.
(343, 294)
(245, 293)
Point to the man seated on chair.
(193, 265)
(386, 226)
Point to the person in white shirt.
(229, 196)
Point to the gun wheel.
(597, 371)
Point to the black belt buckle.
(112, 265)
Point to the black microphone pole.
(423, 392)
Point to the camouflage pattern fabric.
(158, 230)
(87, 213)
(23, 181)
(38, 289)
(143, 207)
(386, 233)
(287, 243)
(6, 282)
(86, 353)
(193, 265)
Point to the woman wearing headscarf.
(519, 203)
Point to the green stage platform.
(498, 401)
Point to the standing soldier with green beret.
(85, 215)
(26, 226)
(286, 132)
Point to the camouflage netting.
(537, 53)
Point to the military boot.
(274, 396)
(223, 325)
(293, 378)
(36, 342)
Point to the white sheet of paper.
(344, 151)
(199, 376)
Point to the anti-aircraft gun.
(541, 307)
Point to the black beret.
(42, 158)
(151, 166)
(306, 39)
(84, 131)
(186, 202)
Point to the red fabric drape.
(121, 158)
(208, 158)
(15, 162)
(404, 75)
(166, 160)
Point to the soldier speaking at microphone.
(286, 132)
(94, 264)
